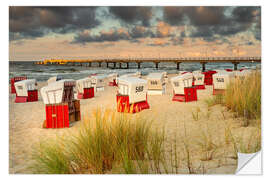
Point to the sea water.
(44, 72)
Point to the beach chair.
(112, 79)
(132, 95)
(208, 77)
(183, 91)
(221, 81)
(198, 80)
(12, 82)
(98, 82)
(156, 84)
(84, 88)
(26, 91)
(60, 106)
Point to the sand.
(25, 128)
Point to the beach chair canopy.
(58, 92)
(133, 87)
(155, 81)
(222, 79)
(83, 83)
(25, 85)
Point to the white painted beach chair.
(222, 79)
(83, 83)
(98, 82)
(156, 84)
(133, 87)
(22, 87)
(58, 92)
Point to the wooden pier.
(113, 61)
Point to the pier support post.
(114, 65)
(178, 65)
(99, 64)
(203, 66)
(89, 64)
(120, 65)
(107, 64)
(156, 64)
(127, 65)
(235, 66)
(139, 65)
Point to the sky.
(37, 33)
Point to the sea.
(44, 72)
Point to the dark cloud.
(112, 36)
(140, 32)
(131, 15)
(31, 22)
(174, 15)
(210, 21)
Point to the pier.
(124, 62)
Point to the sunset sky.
(36, 33)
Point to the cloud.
(163, 29)
(110, 36)
(158, 42)
(32, 22)
(210, 21)
(131, 15)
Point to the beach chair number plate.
(139, 89)
(220, 79)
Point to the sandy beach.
(26, 119)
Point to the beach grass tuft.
(243, 96)
(104, 140)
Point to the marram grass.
(243, 96)
(105, 140)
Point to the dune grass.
(244, 96)
(104, 140)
